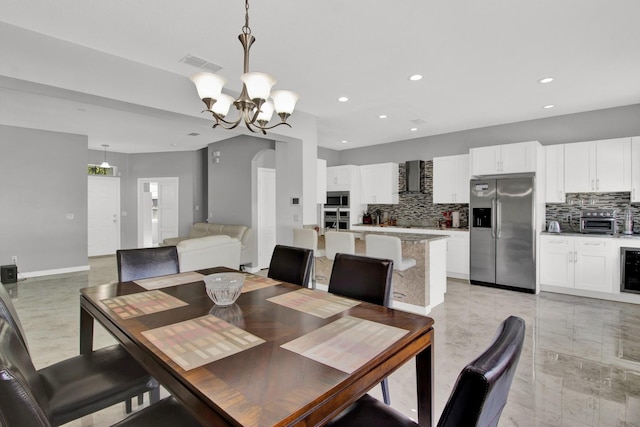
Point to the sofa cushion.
(236, 231)
(199, 229)
(210, 251)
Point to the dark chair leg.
(385, 392)
(127, 406)
(154, 395)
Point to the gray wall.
(331, 156)
(188, 166)
(43, 177)
(229, 183)
(601, 124)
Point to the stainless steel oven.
(336, 219)
(601, 221)
(630, 270)
(337, 199)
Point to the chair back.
(24, 400)
(388, 247)
(483, 385)
(134, 264)
(339, 242)
(291, 265)
(362, 278)
(10, 315)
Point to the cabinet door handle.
(598, 184)
(592, 244)
(575, 256)
(570, 256)
(593, 184)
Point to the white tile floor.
(580, 364)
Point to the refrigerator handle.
(493, 218)
(499, 219)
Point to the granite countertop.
(610, 236)
(410, 227)
(411, 238)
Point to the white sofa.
(241, 232)
(209, 251)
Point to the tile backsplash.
(577, 202)
(419, 209)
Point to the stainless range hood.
(413, 181)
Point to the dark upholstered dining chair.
(134, 264)
(365, 279)
(478, 397)
(87, 383)
(291, 265)
(31, 399)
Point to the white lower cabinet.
(584, 263)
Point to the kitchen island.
(417, 289)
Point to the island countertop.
(410, 238)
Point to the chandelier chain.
(246, 29)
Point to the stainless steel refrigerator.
(502, 233)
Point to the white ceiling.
(480, 59)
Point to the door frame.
(140, 191)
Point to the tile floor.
(580, 364)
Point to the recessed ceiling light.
(415, 77)
(343, 99)
(382, 116)
(174, 144)
(549, 106)
(344, 141)
(414, 129)
(193, 134)
(546, 80)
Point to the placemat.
(196, 342)
(346, 344)
(128, 306)
(253, 282)
(169, 280)
(317, 303)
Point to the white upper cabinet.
(451, 179)
(379, 183)
(635, 169)
(598, 166)
(554, 161)
(343, 178)
(321, 181)
(503, 159)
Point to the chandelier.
(253, 105)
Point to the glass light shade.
(222, 105)
(284, 101)
(258, 84)
(266, 111)
(209, 85)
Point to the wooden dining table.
(292, 365)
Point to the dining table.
(280, 355)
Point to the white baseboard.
(251, 270)
(410, 308)
(54, 271)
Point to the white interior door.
(103, 198)
(158, 206)
(266, 208)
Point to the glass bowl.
(224, 288)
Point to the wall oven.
(602, 221)
(337, 199)
(630, 270)
(336, 219)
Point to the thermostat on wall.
(295, 200)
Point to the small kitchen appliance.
(628, 222)
(553, 227)
(598, 221)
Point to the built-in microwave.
(337, 199)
